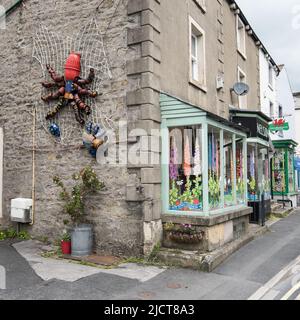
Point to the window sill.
(208, 219)
(198, 85)
(243, 55)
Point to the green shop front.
(284, 184)
(258, 162)
(204, 177)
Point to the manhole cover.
(147, 295)
(174, 286)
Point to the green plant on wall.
(174, 194)
(86, 183)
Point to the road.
(267, 268)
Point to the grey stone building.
(191, 51)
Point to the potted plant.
(66, 243)
(86, 183)
(214, 191)
(183, 233)
(197, 194)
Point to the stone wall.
(144, 113)
(118, 223)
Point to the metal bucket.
(82, 240)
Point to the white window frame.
(241, 43)
(200, 59)
(243, 100)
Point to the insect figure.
(71, 89)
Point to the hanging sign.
(279, 125)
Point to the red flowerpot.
(66, 247)
(73, 66)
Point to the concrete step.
(275, 206)
(207, 262)
(282, 212)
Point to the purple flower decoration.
(173, 166)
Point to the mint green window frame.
(204, 121)
(286, 169)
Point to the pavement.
(268, 268)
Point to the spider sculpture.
(71, 89)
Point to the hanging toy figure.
(71, 89)
(93, 138)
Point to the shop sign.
(257, 127)
(279, 125)
(262, 130)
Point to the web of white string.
(53, 49)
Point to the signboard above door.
(279, 125)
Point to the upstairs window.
(280, 112)
(197, 55)
(271, 110)
(241, 37)
(201, 4)
(270, 76)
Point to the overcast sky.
(277, 24)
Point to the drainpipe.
(12, 8)
(33, 166)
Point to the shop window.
(214, 172)
(264, 185)
(241, 37)
(291, 172)
(185, 169)
(251, 166)
(228, 170)
(203, 162)
(240, 176)
(278, 168)
(197, 55)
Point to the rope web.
(53, 49)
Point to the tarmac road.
(266, 268)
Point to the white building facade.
(268, 90)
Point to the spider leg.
(55, 95)
(78, 114)
(85, 92)
(89, 79)
(49, 85)
(81, 105)
(51, 114)
(53, 75)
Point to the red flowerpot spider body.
(71, 88)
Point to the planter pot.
(181, 237)
(66, 247)
(82, 240)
